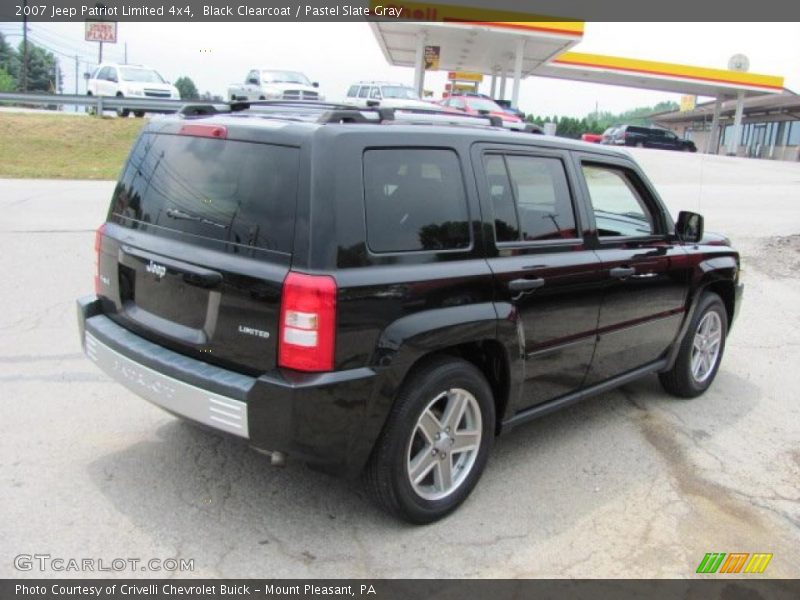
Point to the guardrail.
(100, 103)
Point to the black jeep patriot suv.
(381, 293)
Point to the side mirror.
(689, 227)
(253, 81)
(315, 84)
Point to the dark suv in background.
(381, 293)
(648, 137)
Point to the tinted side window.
(619, 210)
(364, 92)
(414, 200)
(376, 93)
(506, 222)
(531, 198)
(353, 91)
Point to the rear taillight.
(98, 241)
(308, 322)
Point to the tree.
(594, 122)
(7, 82)
(209, 97)
(8, 59)
(186, 88)
(43, 71)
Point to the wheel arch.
(717, 275)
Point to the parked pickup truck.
(268, 84)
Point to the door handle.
(525, 285)
(649, 275)
(622, 272)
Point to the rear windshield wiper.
(178, 214)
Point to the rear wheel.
(701, 350)
(138, 114)
(436, 442)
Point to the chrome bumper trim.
(173, 395)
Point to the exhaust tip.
(276, 459)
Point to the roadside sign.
(688, 103)
(461, 87)
(432, 54)
(464, 76)
(101, 31)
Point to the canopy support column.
(494, 84)
(712, 146)
(503, 85)
(419, 65)
(733, 143)
(517, 72)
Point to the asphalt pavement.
(633, 483)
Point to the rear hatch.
(198, 243)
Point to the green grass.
(40, 146)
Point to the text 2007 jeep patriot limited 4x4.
(381, 293)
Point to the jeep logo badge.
(156, 269)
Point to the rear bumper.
(319, 418)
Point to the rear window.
(415, 201)
(240, 193)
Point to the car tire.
(418, 439)
(138, 114)
(123, 113)
(701, 350)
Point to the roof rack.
(333, 112)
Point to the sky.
(215, 55)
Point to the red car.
(594, 138)
(475, 105)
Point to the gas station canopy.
(481, 48)
(651, 75)
(502, 44)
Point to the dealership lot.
(631, 484)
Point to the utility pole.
(76, 74)
(100, 58)
(126, 53)
(24, 46)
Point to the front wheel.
(123, 113)
(435, 443)
(701, 350)
(139, 114)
